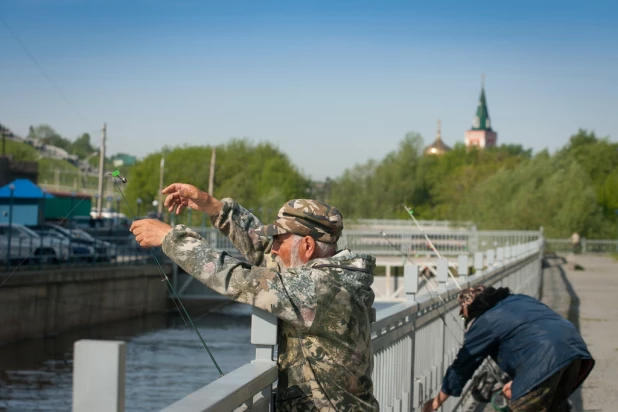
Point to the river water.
(164, 359)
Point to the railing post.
(442, 270)
(263, 333)
(264, 337)
(98, 376)
(410, 284)
(462, 266)
(491, 255)
(387, 283)
(478, 262)
(410, 281)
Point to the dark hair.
(485, 301)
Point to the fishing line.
(43, 72)
(411, 213)
(170, 287)
(431, 295)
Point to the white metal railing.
(451, 243)
(380, 224)
(417, 340)
(395, 242)
(585, 246)
(413, 341)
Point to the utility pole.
(101, 170)
(211, 178)
(161, 169)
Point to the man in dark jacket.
(542, 352)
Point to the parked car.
(79, 251)
(27, 244)
(102, 250)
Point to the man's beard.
(295, 261)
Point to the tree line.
(506, 187)
(574, 189)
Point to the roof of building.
(481, 119)
(438, 146)
(24, 189)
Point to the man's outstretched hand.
(182, 195)
(150, 232)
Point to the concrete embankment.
(45, 303)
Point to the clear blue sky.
(331, 83)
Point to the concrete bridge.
(580, 287)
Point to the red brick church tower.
(481, 134)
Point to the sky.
(331, 83)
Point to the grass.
(21, 151)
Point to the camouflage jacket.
(325, 355)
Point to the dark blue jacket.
(528, 340)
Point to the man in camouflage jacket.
(323, 298)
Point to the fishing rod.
(436, 294)
(432, 296)
(170, 288)
(411, 214)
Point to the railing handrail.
(391, 324)
(220, 395)
(412, 341)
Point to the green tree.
(81, 147)
(48, 135)
(260, 177)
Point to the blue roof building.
(26, 203)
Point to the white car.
(27, 244)
(102, 250)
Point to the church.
(481, 134)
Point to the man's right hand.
(182, 195)
(506, 390)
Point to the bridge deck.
(595, 307)
(589, 299)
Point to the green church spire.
(481, 119)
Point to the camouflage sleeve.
(239, 225)
(289, 295)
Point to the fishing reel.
(487, 387)
(499, 402)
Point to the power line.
(44, 73)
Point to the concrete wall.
(35, 304)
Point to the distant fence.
(49, 252)
(448, 243)
(586, 246)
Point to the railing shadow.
(573, 317)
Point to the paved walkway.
(596, 287)
(589, 299)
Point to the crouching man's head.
(305, 229)
(466, 297)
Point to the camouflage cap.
(306, 217)
(467, 296)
